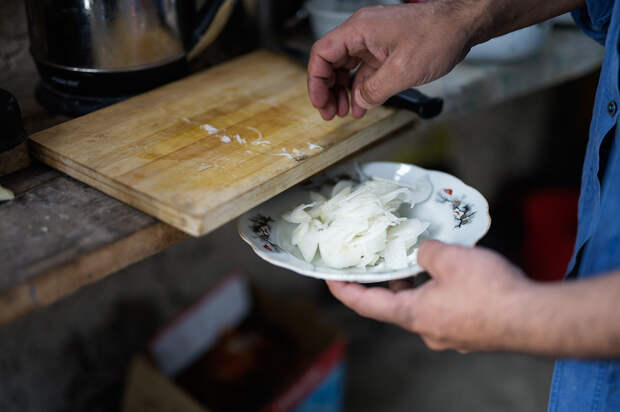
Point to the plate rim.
(370, 277)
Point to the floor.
(390, 369)
(73, 356)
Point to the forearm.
(492, 18)
(570, 319)
(407, 45)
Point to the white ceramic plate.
(457, 213)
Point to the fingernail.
(360, 100)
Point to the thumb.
(378, 85)
(440, 259)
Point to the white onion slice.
(358, 226)
(298, 215)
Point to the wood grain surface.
(14, 159)
(158, 151)
(59, 235)
(147, 390)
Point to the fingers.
(376, 80)
(340, 90)
(363, 72)
(434, 344)
(440, 259)
(328, 69)
(343, 101)
(329, 94)
(429, 253)
(381, 84)
(375, 302)
(387, 306)
(321, 78)
(401, 284)
(439, 345)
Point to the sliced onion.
(396, 254)
(359, 226)
(298, 215)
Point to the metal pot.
(119, 47)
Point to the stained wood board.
(59, 235)
(158, 152)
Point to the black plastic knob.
(12, 131)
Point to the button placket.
(612, 107)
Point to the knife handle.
(416, 101)
(410, 99)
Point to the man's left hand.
(467, 305)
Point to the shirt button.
(611, 107)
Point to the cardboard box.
(239, 349)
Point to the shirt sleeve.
(594, 18)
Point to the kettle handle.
(212, 19)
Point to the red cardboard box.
(238, 349)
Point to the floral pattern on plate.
(466, 223)
(463, 212)
(261, 227)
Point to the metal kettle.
(119, 47)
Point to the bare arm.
(577, 319)
(477, 300)
(405, 45)
(499, 17)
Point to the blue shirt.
(594, 385)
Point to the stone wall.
(17, 70)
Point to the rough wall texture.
(17, 70)
(13, 37)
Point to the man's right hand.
(396, 47)
(406, 45)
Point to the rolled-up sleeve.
(594, 18)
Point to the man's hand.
(477, 300)
(396, 47)
(401, 46)
(465, 306)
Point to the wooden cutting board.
(160, 151)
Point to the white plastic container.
(511, 47)
(564, 20)
(326, 15)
